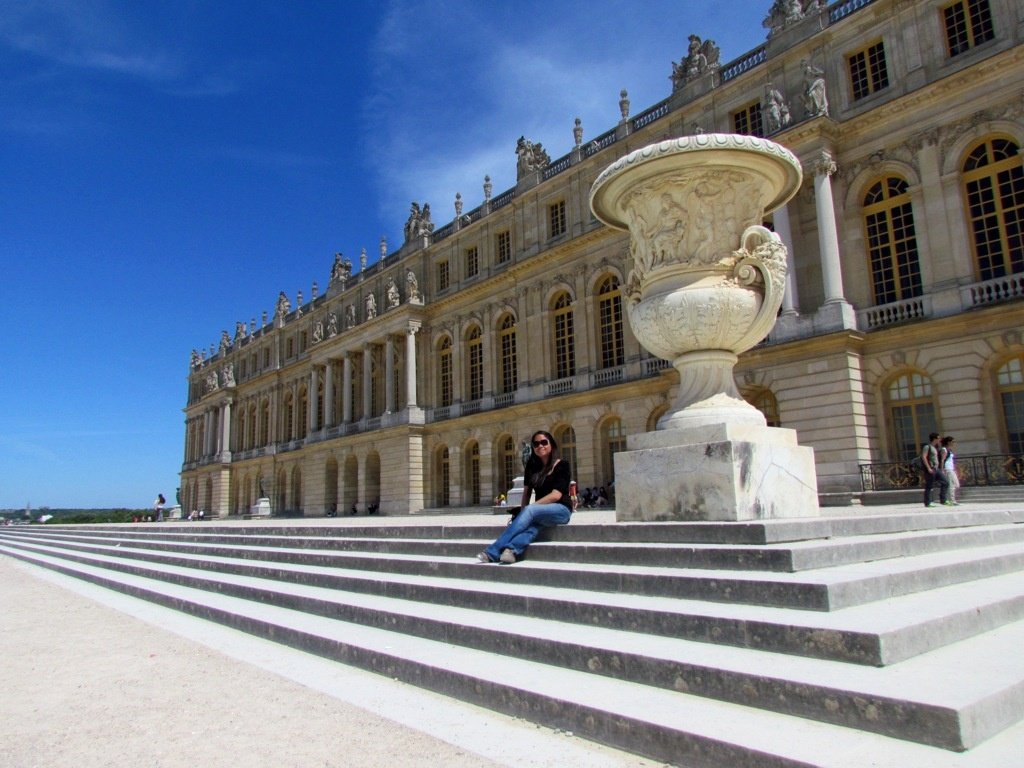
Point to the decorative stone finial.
(458, 205)
(383, 247)
(624, 104)
(362, 260)
(577, 132)
(488, 187)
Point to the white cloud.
(444, 115)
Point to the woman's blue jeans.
(525, 526)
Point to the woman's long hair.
(536, 471)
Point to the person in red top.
(547, 476)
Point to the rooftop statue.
(283, 305)
(530, 157)
(784, 13)
(341, 270)
(701, 57)
(418, 224)
(225, 342)
(392, 293)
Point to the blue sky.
(166, 168)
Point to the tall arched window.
(320, 402)
(763, 399)
(510, 466)
(1010, 382)
(303, 415)
(609, 313)
(509, 363)
(613, 437)
(442, 477)
(892, 241)
(473, 473)
(911, 414)
(289, 417)
(250, 440)
(566, 439)
(564, 337)
(475, 368)
(994, 188)
(444, 372)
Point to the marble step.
(953, 704)
(878, 633)
(786, 558)
(823, 589)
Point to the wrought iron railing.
(973, 471)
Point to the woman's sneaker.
(508, 557)
(483, 557)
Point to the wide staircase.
(834, 641)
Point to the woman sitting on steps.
(547, 477)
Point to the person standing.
(933, 469)
(547, 476)
(158, 507)
(949, 469)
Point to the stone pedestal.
(728, 472)
(261, 508)
(515, 494)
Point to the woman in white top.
(949, 468)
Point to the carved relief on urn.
(707, 278)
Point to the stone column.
(346, 388)
(389, 374)
(410, 364)
(329, 394)
(225, 430)
(790, 303)
(367, 380)
(828, 233)
(314, 391)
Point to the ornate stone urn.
(707, 278)
(705, 285)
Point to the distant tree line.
(73, 516)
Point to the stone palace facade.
(414, 381)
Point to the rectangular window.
(748, 120)
(968, 23)
(868, 71)
(504, 246)
(289, 348)
(442, 275)
(556, 219)
(266, 357)
(472, 262)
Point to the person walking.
(547, 476)
(933, 470)
(948, 458)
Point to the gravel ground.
(90, 678)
